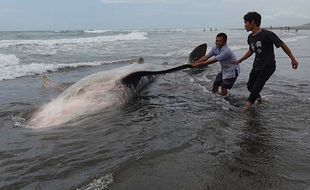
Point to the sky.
(146, 14)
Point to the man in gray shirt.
(229, 71)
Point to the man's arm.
(246, 55)
(205, 62)
(291, 56)
(202, 59)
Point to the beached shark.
(110, 88)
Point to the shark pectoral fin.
(47, 83)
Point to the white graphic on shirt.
(258, 47)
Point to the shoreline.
(285, 28)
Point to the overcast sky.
(141, 14)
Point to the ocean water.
(175, 134)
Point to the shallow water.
(175, 134)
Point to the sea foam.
(81, 40)
(11, 68)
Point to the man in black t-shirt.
(261, 43)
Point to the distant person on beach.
(229, 71)
(261, 43)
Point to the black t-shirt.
(262, 45)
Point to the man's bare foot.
(259, 100)
(247, 106)
(215, 89)
(224, 92)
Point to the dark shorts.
(225, 83)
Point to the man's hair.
(223, 35)
(253, 16)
